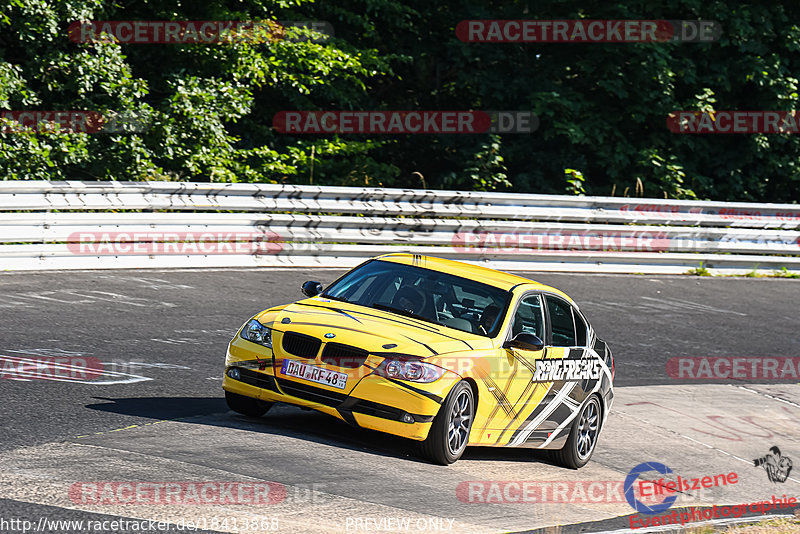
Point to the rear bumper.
(402, 409)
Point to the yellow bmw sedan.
(438, 351)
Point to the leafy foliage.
(602, 107)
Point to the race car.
(442, 352)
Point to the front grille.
(300, 345)
(311, 393)
(344, 355)
(257, 379)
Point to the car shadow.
(291, 421)
(282, 419)
(506, 454)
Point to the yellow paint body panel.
(501, 378)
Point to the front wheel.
(582, 437)
(246, 405)
(449, 432)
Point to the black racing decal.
(491, 386)
(526, 403)
(346, 314)
(524, 361)
(423, 344)
(421, 324)
(422, 392)
(549, 397)
(535, 413)
(509, 382)
(347, 416)
(561, 414)
(575, 354)
(337, 310)
(538, 435)
(524, 424)
(599, 346)
(500, 397)
(528, 386)
(443, 335)
(543, 405)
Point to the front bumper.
(401, 408)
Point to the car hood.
(370, 329)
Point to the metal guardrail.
(86, 225)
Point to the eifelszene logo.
(777, 467)
(630, 483)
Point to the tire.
(443, 444)
(246, 405)
(582, 436)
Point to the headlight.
(411, 370)
(257, 333)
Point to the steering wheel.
(410, 299)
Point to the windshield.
(424, 294)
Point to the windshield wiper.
(406, 313)
(340, 299)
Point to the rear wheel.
(582, 437)
(449, 432)
(246, 405)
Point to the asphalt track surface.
(165, 333)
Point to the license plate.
(314, 374)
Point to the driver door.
(516, 395)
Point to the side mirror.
(311, 288)
(525, 341)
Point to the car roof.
(478, 273)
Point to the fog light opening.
(408, 418)
(233, 372)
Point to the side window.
(580, 328)
(528, 317)
(561, 321)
